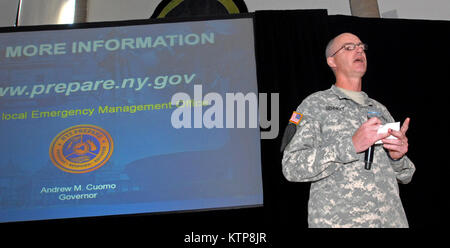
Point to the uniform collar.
(342, 95)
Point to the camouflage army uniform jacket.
(343, 193)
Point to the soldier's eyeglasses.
(351, 47)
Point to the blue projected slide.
(88, 126)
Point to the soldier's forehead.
(347, 38)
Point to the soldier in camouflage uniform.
(329, 144)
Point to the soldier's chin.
(360, 64)
(361, 69)
(360, 72)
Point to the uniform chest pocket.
(338, 125)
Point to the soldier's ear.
(331, 63)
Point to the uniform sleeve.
(308, 158)
(404, 169)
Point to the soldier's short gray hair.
(328, 49)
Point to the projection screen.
(126, 119)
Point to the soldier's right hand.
(366, 135)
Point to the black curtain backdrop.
(407, 71)
(290, 61)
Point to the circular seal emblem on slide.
(81, 148)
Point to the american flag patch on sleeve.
(295, 118)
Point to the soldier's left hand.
(397, 148)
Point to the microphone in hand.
(368, 156)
